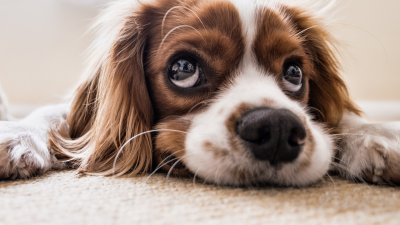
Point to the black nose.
(276, 135)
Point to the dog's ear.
(328, 97)
(112, 105)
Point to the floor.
(66, 198)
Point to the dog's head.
(240, 92)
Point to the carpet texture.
(65, 198)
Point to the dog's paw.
(371, 152)
(24, 152)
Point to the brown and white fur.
(130, 117)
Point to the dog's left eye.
(292, 78)
(184, 73)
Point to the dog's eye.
(184, 73)
(292, 78)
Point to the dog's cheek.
(308, 151)
(170, 151)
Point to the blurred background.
(42, 44)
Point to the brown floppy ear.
(328, 97)
(112, 105)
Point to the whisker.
(340, 166)
(205, 102)
(69, 160)
(159, 167)
(143, 133)
(372, 35)
(166, 14)
(162, 163)
(194, 178)
(334, 157)
(216, 176)
(348, 171)
(172, 167)
(333, 182)
(317, 110)
(300, 32)
(342, 134)
(181, 26)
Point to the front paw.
(371, 152)
(24, 152)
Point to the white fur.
(24, 150)
(246, 11)
(367, 146)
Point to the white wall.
(42, 41)
(41, 48)
(370, 31)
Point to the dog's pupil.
(182, 69)
(293, 75)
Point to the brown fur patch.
(171, 141)
(235, 115)
(217, 151)
(230, 123)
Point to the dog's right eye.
(184, 73)
(293, 77)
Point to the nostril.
(297, 137)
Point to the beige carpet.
(64, 198)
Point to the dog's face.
(233, 77)
(241, 92)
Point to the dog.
(234, 92)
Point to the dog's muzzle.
(274, 135)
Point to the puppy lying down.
(234, 92)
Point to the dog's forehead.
(249, 11)
(268, 32)
(265, 24)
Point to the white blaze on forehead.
(248, 10)
(247, 13)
